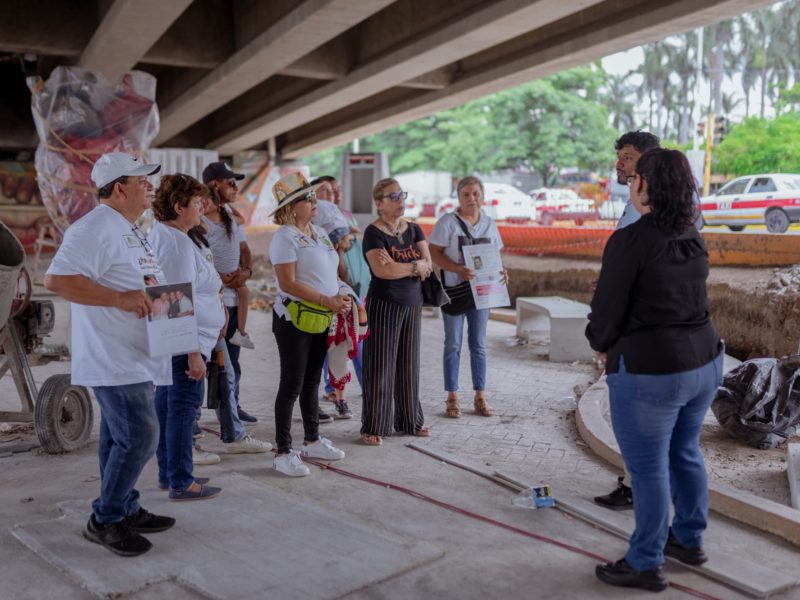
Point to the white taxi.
(772, 200)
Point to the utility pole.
(707, 163)
(698, 79)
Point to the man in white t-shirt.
(101, 268)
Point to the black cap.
(219, 170)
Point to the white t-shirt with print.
(109, 345)
(184, 261)
(329, 217)
(316, 262)
(447, 233)
(226, 251)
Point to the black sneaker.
(690, 556)
(245, 417)
(117, 537)
(146, 522)
(622, 574)
(324, 418)
(342, 410)
(620, 499)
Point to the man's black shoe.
(324, 417)
(246, 417)
(622, 574)
(620, 499)
(685, 554)
(146, 522)
(117, 537)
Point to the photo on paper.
(171, 324)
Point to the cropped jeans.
(128, 440)
(477, 320)
(657, 421)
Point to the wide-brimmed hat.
(289, 188)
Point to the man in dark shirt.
(630, 146)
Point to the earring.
(294, 215)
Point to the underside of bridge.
(310, 74)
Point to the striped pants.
(390, 370)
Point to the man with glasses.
(101, 268)
(630, 146)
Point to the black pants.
(233, 349)
(301, 355)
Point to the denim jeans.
(233, 349)
(476, 338)
(356, 368)
(230, 425)
(176, 406)
(657, 421)
(128, 439)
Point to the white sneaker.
(290, 464)
(244, 341)
(201, 457)
(322, 448)
(247, 445)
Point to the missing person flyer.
(171, 325)
(488, 288)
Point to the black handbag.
(433, 293)
(461, 298)
(218, 389)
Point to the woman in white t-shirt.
(306, 271)
(467, 225)
(177, 208)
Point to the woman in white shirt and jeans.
(177, 208)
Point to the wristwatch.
(414, 269)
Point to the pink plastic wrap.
(79, 117)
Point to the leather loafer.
(622, 574)
(685, 554)
(246, 417)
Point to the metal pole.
(698, 79)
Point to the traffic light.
(701, 129)
(720, 129)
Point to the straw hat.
(289, 188)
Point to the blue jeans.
(476, 338)
(176, 406)
(230, 425)
(233, 349)
(128, 439)
(657, 421)
(356, 368)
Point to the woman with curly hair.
(650, 320)
(186, 257)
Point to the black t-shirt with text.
(406, 291)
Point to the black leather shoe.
(685, 554)
(146, 522)
(622, 574)
(246, 417)
(620, 499)
(324, 417)
(117, 537)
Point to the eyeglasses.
(396, 196)
(143, 240)
(308, 197)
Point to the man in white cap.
(101, 268)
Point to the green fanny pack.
(309, 317)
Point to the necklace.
(397, 233)
(308, 231)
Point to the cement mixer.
(61, 412)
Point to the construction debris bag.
(79, 116)
(758, 402)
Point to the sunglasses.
(307, 197)
(396, 196)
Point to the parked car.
(557, 204)
(501, 202)
(771, 199)
(413, 209)
(611, 209)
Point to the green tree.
(761, 146)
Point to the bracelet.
(414, 269)
(321, 303)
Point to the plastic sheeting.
(80, 116)
(758, 402)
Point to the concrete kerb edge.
(761, 513)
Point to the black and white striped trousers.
(390, 371)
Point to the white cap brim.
(141, 170)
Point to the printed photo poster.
(172, 325)
(488, 288)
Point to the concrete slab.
(793, 472)
(250, 550)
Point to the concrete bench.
(565, 320)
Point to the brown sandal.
(481, 408)
(422, 432)
(371, 440)
(453, 410)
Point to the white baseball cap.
(114, 165)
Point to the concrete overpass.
(298, 76)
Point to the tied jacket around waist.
(651, 305)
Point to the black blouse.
(408, 290)
(651, 305)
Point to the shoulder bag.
(461, 299)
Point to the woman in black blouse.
(663, 362)
(399, 260)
